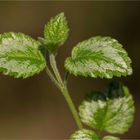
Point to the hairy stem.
(53, 78)
(63, 88)
(72, 107)
(55, 69)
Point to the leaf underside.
(84, 135)
(99, 57)
(20, 55)
(111, 115)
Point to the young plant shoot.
(111, 110)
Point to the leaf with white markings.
(113, 114)
(20, 55)
(110, 138)
(99, 57)
(56, 32)
(84, 135)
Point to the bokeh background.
(34, 108)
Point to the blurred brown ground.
(34, 108)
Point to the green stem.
(72, 107)
(52, 78)
(55, 69)
(63, 88)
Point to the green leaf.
(99, 57)
(111, 138)
(114, 115)
(20, 55)
(84, 135)
(56, 32)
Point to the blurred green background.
(34, 108)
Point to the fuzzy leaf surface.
(84, 135)
(99, 57)
(113, 115)
(20, 55)
(56, 32)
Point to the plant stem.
(55, 69)
(52, 78)
(63, 88)
(72, 107)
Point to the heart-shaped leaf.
(114, 115)
(99, 57)
(20, 55)
(84, 135)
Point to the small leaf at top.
(110, 138)
(113, 115)
(84, 135)
(20, 55)
(99, 57)
(56, 32)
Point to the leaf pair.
(21, 56)
(112, 111)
